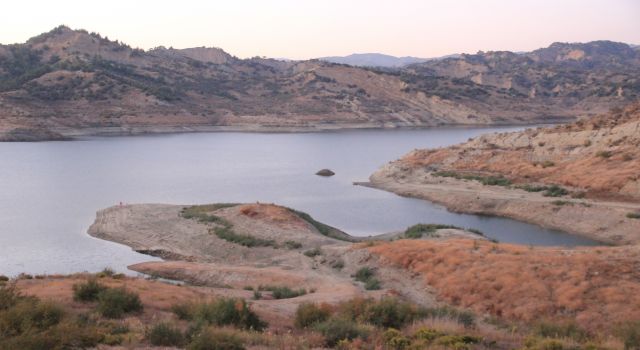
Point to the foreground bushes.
(358, 318)
(87, 291)
(220, 312)
(112, 302)
(335, 330)
(309, 314)
(216, 339)
(164, 334)
(27, 323)
(115, 302)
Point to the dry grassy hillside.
(600, 156)
(598, 288)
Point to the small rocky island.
(325, 172)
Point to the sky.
(302, 29)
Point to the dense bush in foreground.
(216, 339)
(165, 334)
(115, 302)
(27, 323)
(87, 291)
(221, 312)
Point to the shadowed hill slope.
(71, 82)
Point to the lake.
(50, 191)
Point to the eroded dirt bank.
(580, 178)
(604, 221)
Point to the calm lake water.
(50, 191)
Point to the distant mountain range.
(70, 82)
(374, 60)
(379, 60)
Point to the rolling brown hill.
(600, 156)
(71, 82)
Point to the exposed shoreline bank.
(598, 220)
(72, 134)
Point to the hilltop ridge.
(67, 82)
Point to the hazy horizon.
(293, 30)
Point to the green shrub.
(26, 323)
(532, 188)
(338, 264)
(337, 329)
(228, 234)
(27, 315)
(221, 312)
(4, 278)
(634, 215)
(216, 339)
(389, 313)
(555, 191)
(199, 212)
(9, 296)
(313, 252)
(64, 335)
(364, 273)
(164, 334)
(457, 341)
(372, 284)
(325, 230)
(629, 333)
(184, 311)
(106, 272)
(87, 291)
(578, 195)
(293, 245)
(485, 180)
(544, 344)
(283, 292)
(115, 302)
(547, 164)
(604, 154)
(309, 314)
(393, 339)
(419, 230)
(367, 276)
(427, 334)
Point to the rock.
(325, 172)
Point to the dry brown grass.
(596, 287)
(271, 213)
(577, 161)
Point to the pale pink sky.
(301, 29)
